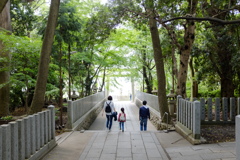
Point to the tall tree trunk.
(39, 93)
(60, 85)
(103, 79)
(3, 4)
(5, 22)
(186, 49)
(145, 76)
(69, 71)
(158, 57)
(174, 69)
(194, 88)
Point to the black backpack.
(108, 108)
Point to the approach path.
(97, 143)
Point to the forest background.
(190, 47)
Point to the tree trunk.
(158, 57)
(194, 88)
(174, 69)
(186, 50)
(103, 79)
(5, 22)
(146, 79)
(3, 4)
(69, 71)
(39, 93)
(60, 85)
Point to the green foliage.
(7, 118)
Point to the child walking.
(121, 119)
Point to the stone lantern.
(74, 96)
(171, 102)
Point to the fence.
(28, 138)
(220, 112)
(188, 119)
(77, 109)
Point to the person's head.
(122, 109)
(109, 98)
(144, 102)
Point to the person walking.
(121, 119)
(144, 115)
(109, 108)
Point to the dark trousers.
(109, 121)
(143, 124)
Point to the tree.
(2, 4)
(5, 24)
(162, 98)
(39, 93)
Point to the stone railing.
(152, 100)
(79, 109)
(28, 138)
(188, 120)
(217, 112)
(152, 103)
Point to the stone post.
(202, 103)
(232, 109)
(70, 115)
(217, 109)
(237, 132)
(52, 121)
(37, 122)
(196, 120)
(238, 106)
(41, 129)
(14, 140)
(32, 134)
(178, 107)
(6, 141)
(27, 137)
(225, 108)
(21, 139)
(45, 113)
(209, 102)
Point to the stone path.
(97, 143)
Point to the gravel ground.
(218, 133)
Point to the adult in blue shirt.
(144, 115)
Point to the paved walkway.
(97, 143)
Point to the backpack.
(108, 108)
(122, 117)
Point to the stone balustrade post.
(52, 122)
(6, 141)
(217, 109)
(237, 132)
(232, 108)
(21, 139)
(196, 120)
(202, 103)
(27, 137)
(14, 140)
(70, 115)
(225, 108)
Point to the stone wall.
(79, 110)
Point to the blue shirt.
(144, 112)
